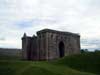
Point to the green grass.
(87, 62)
(84, 64)
(36, 68)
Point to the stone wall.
(71, 43)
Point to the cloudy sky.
(78, 16)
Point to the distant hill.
(6, 53)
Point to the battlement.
(57, 32)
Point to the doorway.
(61, 49)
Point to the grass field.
(87, 62)
(83, 64)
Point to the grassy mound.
(87, 62)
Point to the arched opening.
(61, 49)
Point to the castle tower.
(26, 47)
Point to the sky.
(29, 16)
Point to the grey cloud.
(2, 38)
(91, 43)
(35, 21)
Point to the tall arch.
(61, 49)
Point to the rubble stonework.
(49, 45)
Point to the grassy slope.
(85, 62)
(88, 62)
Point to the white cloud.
(19, 16)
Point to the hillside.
(83, 64)
(87, 62)
(10, 53)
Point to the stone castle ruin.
(49, 45)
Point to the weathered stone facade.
(50, 44)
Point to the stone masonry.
(50, 45)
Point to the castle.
(49, 45)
